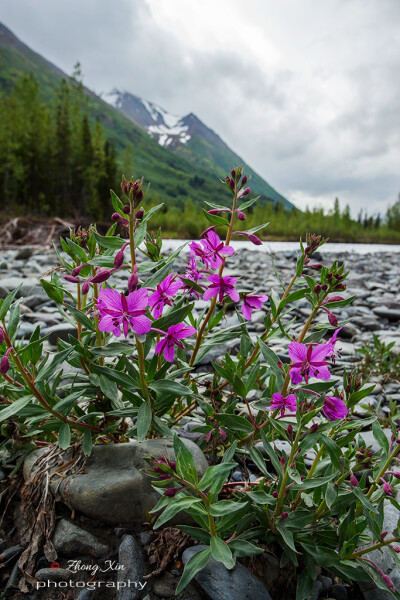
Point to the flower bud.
(233, 173)
(314, 428)
(231, 184)
(101, 276)
(139, 214)
(4, 365)
(85, 287)
(127, 209)
(317, 288)
(316, 266)
(1, 336)
(282, 461)
(78, 269)
(213, 211)
(387, 581)
(172, 491)
(333, 299)
(284, 515)
(275, 494)
(332, 319)
(139, 195)
(396, 548)
(115, 216)
(336, 485)
(244, 180)
(324, 287)
(71, 279)
(245, 192)
(383, 535)
(119, 257)
(133, 281)
(255, 240)
(240, 215)
(354, 480)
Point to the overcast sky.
(306, 91)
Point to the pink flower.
(172, 337)
(163, 294)
(283, 402)
(213, 250)
(309, 361)
(334, 408)
(222, 286)
(251, 301)
(128, 311)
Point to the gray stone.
(114, 488)
(130, 555)
(12, 583)
(53, 575)
(62, 331)
(392, 314)
(24, 253)
(165, 585)
(221, 584)
(10, 555)
(9, 284)
(369, 439)
(316, 591)
(2, 475)
(145, 538)
(72, 541)
(86, 594)
(338, 592)
(326, 582)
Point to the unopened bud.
(336, 485)
(255, 240)
(324, 287)
(78, 269)
(354, 480)
(244, 180)
(317, 288)
(115, 216)
(172, 491)
(383, 535)
(139, 215)
(282, 461)
(139, 195)
(396, 548)
(132, 282)
(85, 287)
(127, 209)
(241, 216)
(213, 211)
(101, 276)
(316, 266)
(275, 494)
(1, 336)
(314, 428)
(284, 515)
(119, 257)
(245, 192)
(332, 319)
(4, 365)
(387, 581)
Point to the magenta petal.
(141, 324)
(322, 373)
(320, 352)
(295, 375)
(169, 351)
(234, 295)
(138, 300)
(297, 352)
(210, 293)
(247, 311)
(111, 299)
(160, 346)
(107, 323)
(186, 331)
(228, 250)
(154, 298)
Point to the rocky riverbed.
(374, 279)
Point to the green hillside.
(173, 178)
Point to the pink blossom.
(128, 311)
(334, 408)
(212, 250)
(222, 286)
(309, 361)
(172, 337)
(164, 293)
(251, 301)
(283, 402)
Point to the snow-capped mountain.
(167, 129)
(189, 137)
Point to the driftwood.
(27, 232)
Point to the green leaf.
(185, 465)
(51, 366)
(286, 534)
(271, 453)
(81, 318)
(196, 562)
(333, 450)
(167, 386)
(239, 387)
(196, 533)
(221, 552)
(215, 219)
(304, 586)
(340, 303)
(225, 507)
(364, 500)
(244, 548)
(143, 421)
(87, 445)
(270, 358)
(112, 242)
(6, 303)
(234, 422)
(64, 436)
(54, 292)
(14, 408)
(174, 507)
(380, 437)
(158, 276)
(215, 473)
(173, 317)
(109, 388)
(309, 484)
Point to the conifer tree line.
(54, 160)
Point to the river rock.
(24, 253)
(62, 331)
(53, 575)
(393, 314)
(130, 556)
(72, 541)
(114, 488)
(8, 284)
(221, 584)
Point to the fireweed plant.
(134, 353)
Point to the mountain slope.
(173, 177)
(190, 138)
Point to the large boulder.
(114, 487)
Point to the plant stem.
(286, 474)
(373, 547)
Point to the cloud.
(305, 92)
